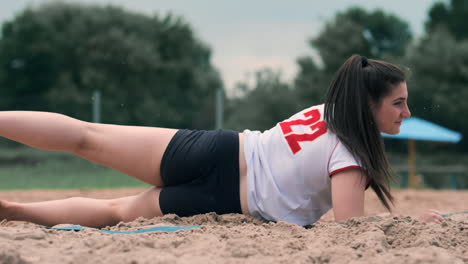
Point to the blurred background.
(222, 64)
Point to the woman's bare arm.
(348, 194)
(348, 189)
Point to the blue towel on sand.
(447, 215)
(151, 229)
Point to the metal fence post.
(96, 106)
(219, 108)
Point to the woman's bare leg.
(85, 211)
(135, 151)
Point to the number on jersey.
(312, 120)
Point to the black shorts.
(200, 171)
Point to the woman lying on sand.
(323, 157)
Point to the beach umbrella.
(413, 129)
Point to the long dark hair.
(358, 82)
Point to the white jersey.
(289, 168)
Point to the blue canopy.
(419, 129)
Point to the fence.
(453, 177)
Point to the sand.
(377, 238)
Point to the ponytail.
(348, 114)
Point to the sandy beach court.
(377, 238)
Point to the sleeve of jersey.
(340, 160)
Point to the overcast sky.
(246, 35)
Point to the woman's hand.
(431, 216)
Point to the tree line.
(153, 70)
(150, 70)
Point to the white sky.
(246, 35)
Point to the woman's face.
(390, 113)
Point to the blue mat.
(144, 230)
(447, 215)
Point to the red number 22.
(312, 120)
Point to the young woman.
(321, 158)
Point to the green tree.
(262, 104)
(451, 15)
(150, 70)
(439, 66)
(310, 83)
(374, 34)
(438, 84)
